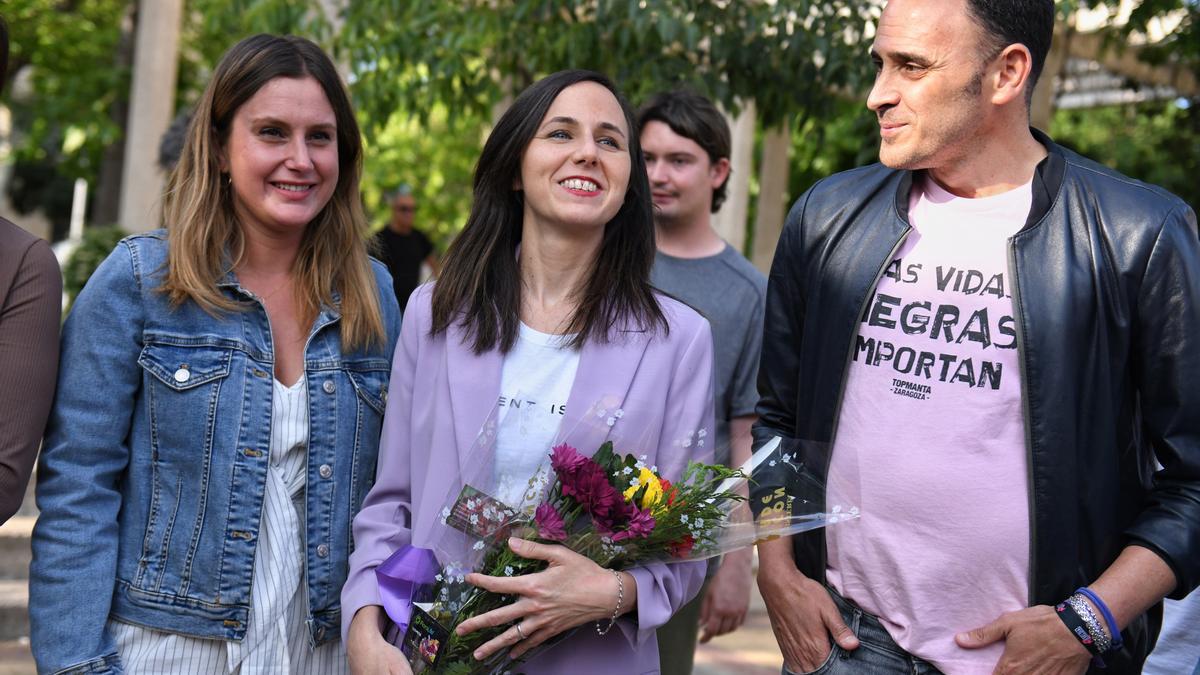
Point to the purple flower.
(549, 523)
(640, 526)
(566, 460)
(590, 487)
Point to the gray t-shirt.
(730, 292)
(1178, 648)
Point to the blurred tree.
(73, 62)
(787, 56)
(1155, 142)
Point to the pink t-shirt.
(931, 442)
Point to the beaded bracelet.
(616, 610)
(1113, 631)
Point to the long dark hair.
(480, 286)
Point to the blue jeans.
(877, 653)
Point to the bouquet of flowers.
(611, 507)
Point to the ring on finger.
(519, 631)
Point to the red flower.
(669, 491)
(681, 548)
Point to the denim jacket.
(153, 470)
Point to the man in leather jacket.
(989, 344)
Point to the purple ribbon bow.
(399, 576)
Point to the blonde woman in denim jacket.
(222, 386)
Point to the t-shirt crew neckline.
(703, 258)
(537, 337)
(1002, 203)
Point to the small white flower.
(478, 545)
(683, 518)
(611, 421)
(654, 468)
(627, 470)
(702, 433)
(618, 413)
(601, 412)
(471, 503)
(437, 577)
(700, 443)
(445, 513)
(508, 570)
(687, 443)
(854, 511)
(634, 482)
(474, 519)
(772, 463)
(699, 522)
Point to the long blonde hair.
(204, 240)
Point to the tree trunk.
(151, 107)
(730, 221)
(106, 200)
(772, 194)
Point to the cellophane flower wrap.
(607, 503)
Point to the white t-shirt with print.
(535, 382)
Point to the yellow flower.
(654, 491)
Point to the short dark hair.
(480, 285)
(1006, 22)
(692, 116)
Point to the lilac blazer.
(441, 394)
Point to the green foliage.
(76, 76)
(468, 55)
(1181, 46)
(822, 146)
(97, 243)
(1154, 142)
(437, 158)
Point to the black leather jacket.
(1107, 301)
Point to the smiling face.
(282, 156)
(928, 92)
(682, 178)
(575, 170)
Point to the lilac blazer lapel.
(602, 382)
(474, 381)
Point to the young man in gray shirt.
(687, 142)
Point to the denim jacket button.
(183, 374)
(323, 551)
(328, 386)
(326, 471)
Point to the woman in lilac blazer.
(544, 301)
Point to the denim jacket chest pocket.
(187, 399)
(370, 380)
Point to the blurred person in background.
(402, 247)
